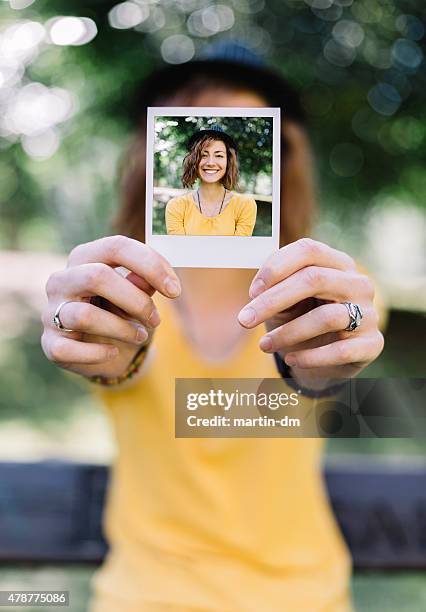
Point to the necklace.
(199, 203)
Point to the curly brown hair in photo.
(192, 160)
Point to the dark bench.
(51, 511)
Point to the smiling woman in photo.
(214, 208)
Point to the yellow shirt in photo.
(183, 218)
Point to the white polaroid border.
(214, 251)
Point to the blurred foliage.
(48, 393)
(359, 65)
(254, 138)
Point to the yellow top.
(218, 524)
(238, 218)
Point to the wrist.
(132, 368)
(307, 382)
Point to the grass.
(372, 591)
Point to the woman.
(219, 525)
(213, 209)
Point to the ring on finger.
(57, 319)
(355, 315)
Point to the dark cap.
(225, 61)
(216, 132)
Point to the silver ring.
(355, 315)
(57, 320)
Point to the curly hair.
(193, 158)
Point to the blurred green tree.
(358, 64)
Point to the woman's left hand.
(299, 293)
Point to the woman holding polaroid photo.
(205, 524)
(214, 209)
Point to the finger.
(294, 257)
(318, 321)
(312, 281)
(133, 255)
(84, 317)
(362, 349)
(296, 310)
(98, 279)
(289, 314)
(141, 283)
(64, 351)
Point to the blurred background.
(254, 138)
(67, 75)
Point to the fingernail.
(113, 352)
(290, 360)
(257, 288)
(141, 335)
(247, 316)
(265, 343)
(172, 287)
(154, 318)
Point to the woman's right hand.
(104, 340)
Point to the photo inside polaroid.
(212, 185)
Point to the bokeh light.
(384, 99)
(128, 15)
(410, 26)
(211, 20)
(155, 21)
(408, 133)
(407, 54)
(20, 4)
(11, 72)
(366, 124)
(41, 146)
(338, 54)
(177, 49)
(36, 107)
(20, 41)
(71, 30)
(376, 53)
(332, 13)
(348, 33)
(367, 12)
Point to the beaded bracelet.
(132, 369)
(285, 372)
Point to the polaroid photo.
(213, 185)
